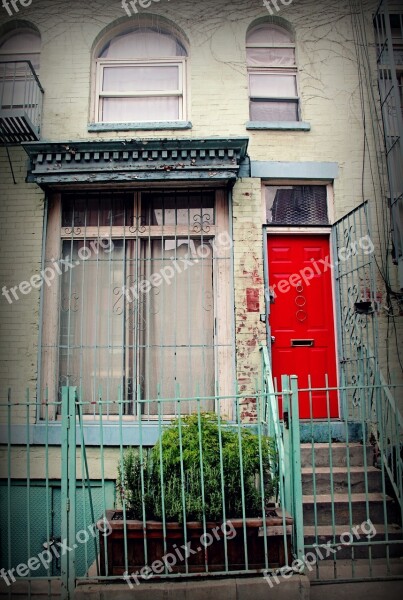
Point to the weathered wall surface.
(21, 225)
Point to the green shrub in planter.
(200, 438)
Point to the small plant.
(202, 466)
(129, 485)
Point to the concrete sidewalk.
(254, 588)
(373, 590)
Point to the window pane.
(14, 93)
(269, 34)
(398, 56)
(143, 43)
(141, 78)
(22, 43)
(274, 111)
(91, 332)
(193, 210)
(262, 84)
(178, 338)
(270, 57)
(20, 67)
(96, 210)
(115, 110)
(296, 205)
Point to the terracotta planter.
(213, 556)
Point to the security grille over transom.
(296, 205)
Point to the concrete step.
(323, 534)
(338, 431)
(340, 479)
(339, 452)
(359, 513)
(350, 579)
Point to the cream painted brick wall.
(21, 223)
(106, 462)
(250, 332)
(218, 102)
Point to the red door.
(302, 320)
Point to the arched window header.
(268, 33)
(143, 43)
(21, 44)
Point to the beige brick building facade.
(237, 160)
(336, 102)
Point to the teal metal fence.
(348, 509)
(349, 501)
(246, 489)
(287, 446)
(174, 496)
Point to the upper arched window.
(272, 72)
(141, 76)
(21, 45)
(18, 87)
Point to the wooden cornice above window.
(127, 161)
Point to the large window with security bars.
(138, 306)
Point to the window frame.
(272, 70)
(180, 93)
(223, 352)
(276, 182)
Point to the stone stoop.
(331, 472)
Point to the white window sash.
(101, 64)
(280, 71)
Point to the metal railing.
(289, 465)
(21, 97)
(350, 505)
(325, 500)
(215, 497)
(351, 511)
(389, 437)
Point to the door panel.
(301, 318)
